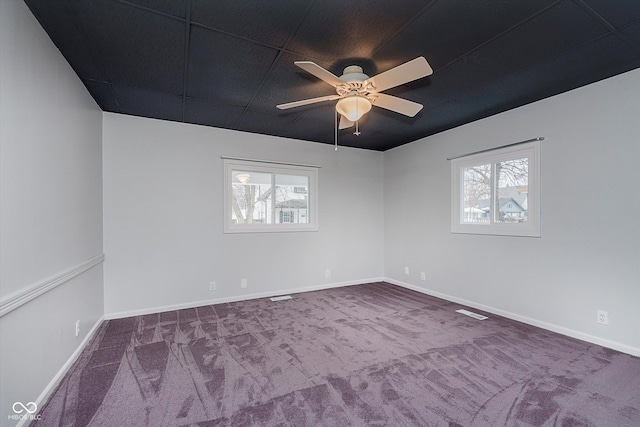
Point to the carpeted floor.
(373, 354)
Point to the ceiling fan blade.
(407, 72)
(319, 72)
(345, 123)
(399, 105)
(307, 101)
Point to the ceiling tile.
(587, 64)
(133, 47)
(335, 30)
(147, 103)
(225, 69)
(557, 30)
(632, 32)
(209, 114)
(448, 29)
(104, 95)
(311, 125)
(68, 38)
(272, 22)
(453, 114)
(264, 123)
(618, 13)
(287, 83)
(172, 7)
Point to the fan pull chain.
(336, 129)
(357, 132)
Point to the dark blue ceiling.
(228, 63)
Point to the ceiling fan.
(357, 92)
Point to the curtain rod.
(270, 162)
(540, 138)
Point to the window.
(269, 197)
(286, 217)
(497, 192)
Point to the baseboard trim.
(63, 370)
(235, 298)
(624, 348)
(23, 296)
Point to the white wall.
(51, 206)
(163, 223)
(588, 256)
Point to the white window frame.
(274, 169)
(530, 228)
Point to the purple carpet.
(373, 354)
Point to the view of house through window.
(508, 204)
(495, 193)
(291, 205)
(262, 197)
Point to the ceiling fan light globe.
(353, 107)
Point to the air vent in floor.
(280, 298)
(472, 314)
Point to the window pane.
(476, 187)
(512, 191)
(251, 198)
(253, 189)
(292, 199)
(497, 192)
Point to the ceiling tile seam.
(272, 66)
(236, 36)
(403, 27)
(561, 53)
(96, 62)
(217, 30)
(149, 10)
(499, 35)
(295, 30)
(166, 15)
(259, 88)
(187, 46)
(496, 110)
(594, 14)
(210, 102)
(257, 42)
(106, 82)
(122, 85)
(282, 49)
(612, 28)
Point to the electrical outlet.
(243, 283)
(77, 327)
(327, 273)
(212, 286)
(406, 271)
(423, 276)
(603, 317)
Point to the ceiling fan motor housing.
(355, 83)
(353, 73)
